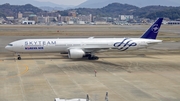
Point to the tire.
(93, 58)
(96, 58)
(19, 58)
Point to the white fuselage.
(86, 44)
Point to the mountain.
(116, 9)
(139, 3)
(154, 12)
(111, 10)
(12, 10)
(35, 3)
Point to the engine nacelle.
(75, 53)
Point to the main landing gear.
(19, 57)
(91, 57)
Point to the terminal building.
(174, 23)
(126, 17)
(28, 22)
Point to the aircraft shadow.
(49, 58)
(56, 57)
(131, 56)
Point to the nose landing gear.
(19, 57)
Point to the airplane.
(85, 47)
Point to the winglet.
(152, 32)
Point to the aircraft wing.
(90, 48)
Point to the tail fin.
(152, 32)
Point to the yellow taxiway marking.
(21, 73)
(27, 68)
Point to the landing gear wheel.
(19, 58)
(93, 58)
(96, 58)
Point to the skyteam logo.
(125, 44)
(155, 28)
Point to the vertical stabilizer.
(152, 32)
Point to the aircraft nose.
(8, 48)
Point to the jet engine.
(75, 53)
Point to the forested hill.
(111, 10)
(153, 12)
(115, 9)
(11, 10)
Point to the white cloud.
(64, 2)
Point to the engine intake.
(75, 53)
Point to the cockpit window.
(10, 44)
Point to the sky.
(64, 2)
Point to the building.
(174, 23)
(72, 13)
(70, 22)
(28, 22)
(21, 20)
(42, 19)
(2, 20)
(32, 17)
(26, 14)
(101, 23)
(10, 18)
(65, 18)
(99, 19)
(126, 17)
(51, 19)
(85, 18)
(81, 22)
(59, 18)
(20, 15)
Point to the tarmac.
(145, 75)
(44, 77)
